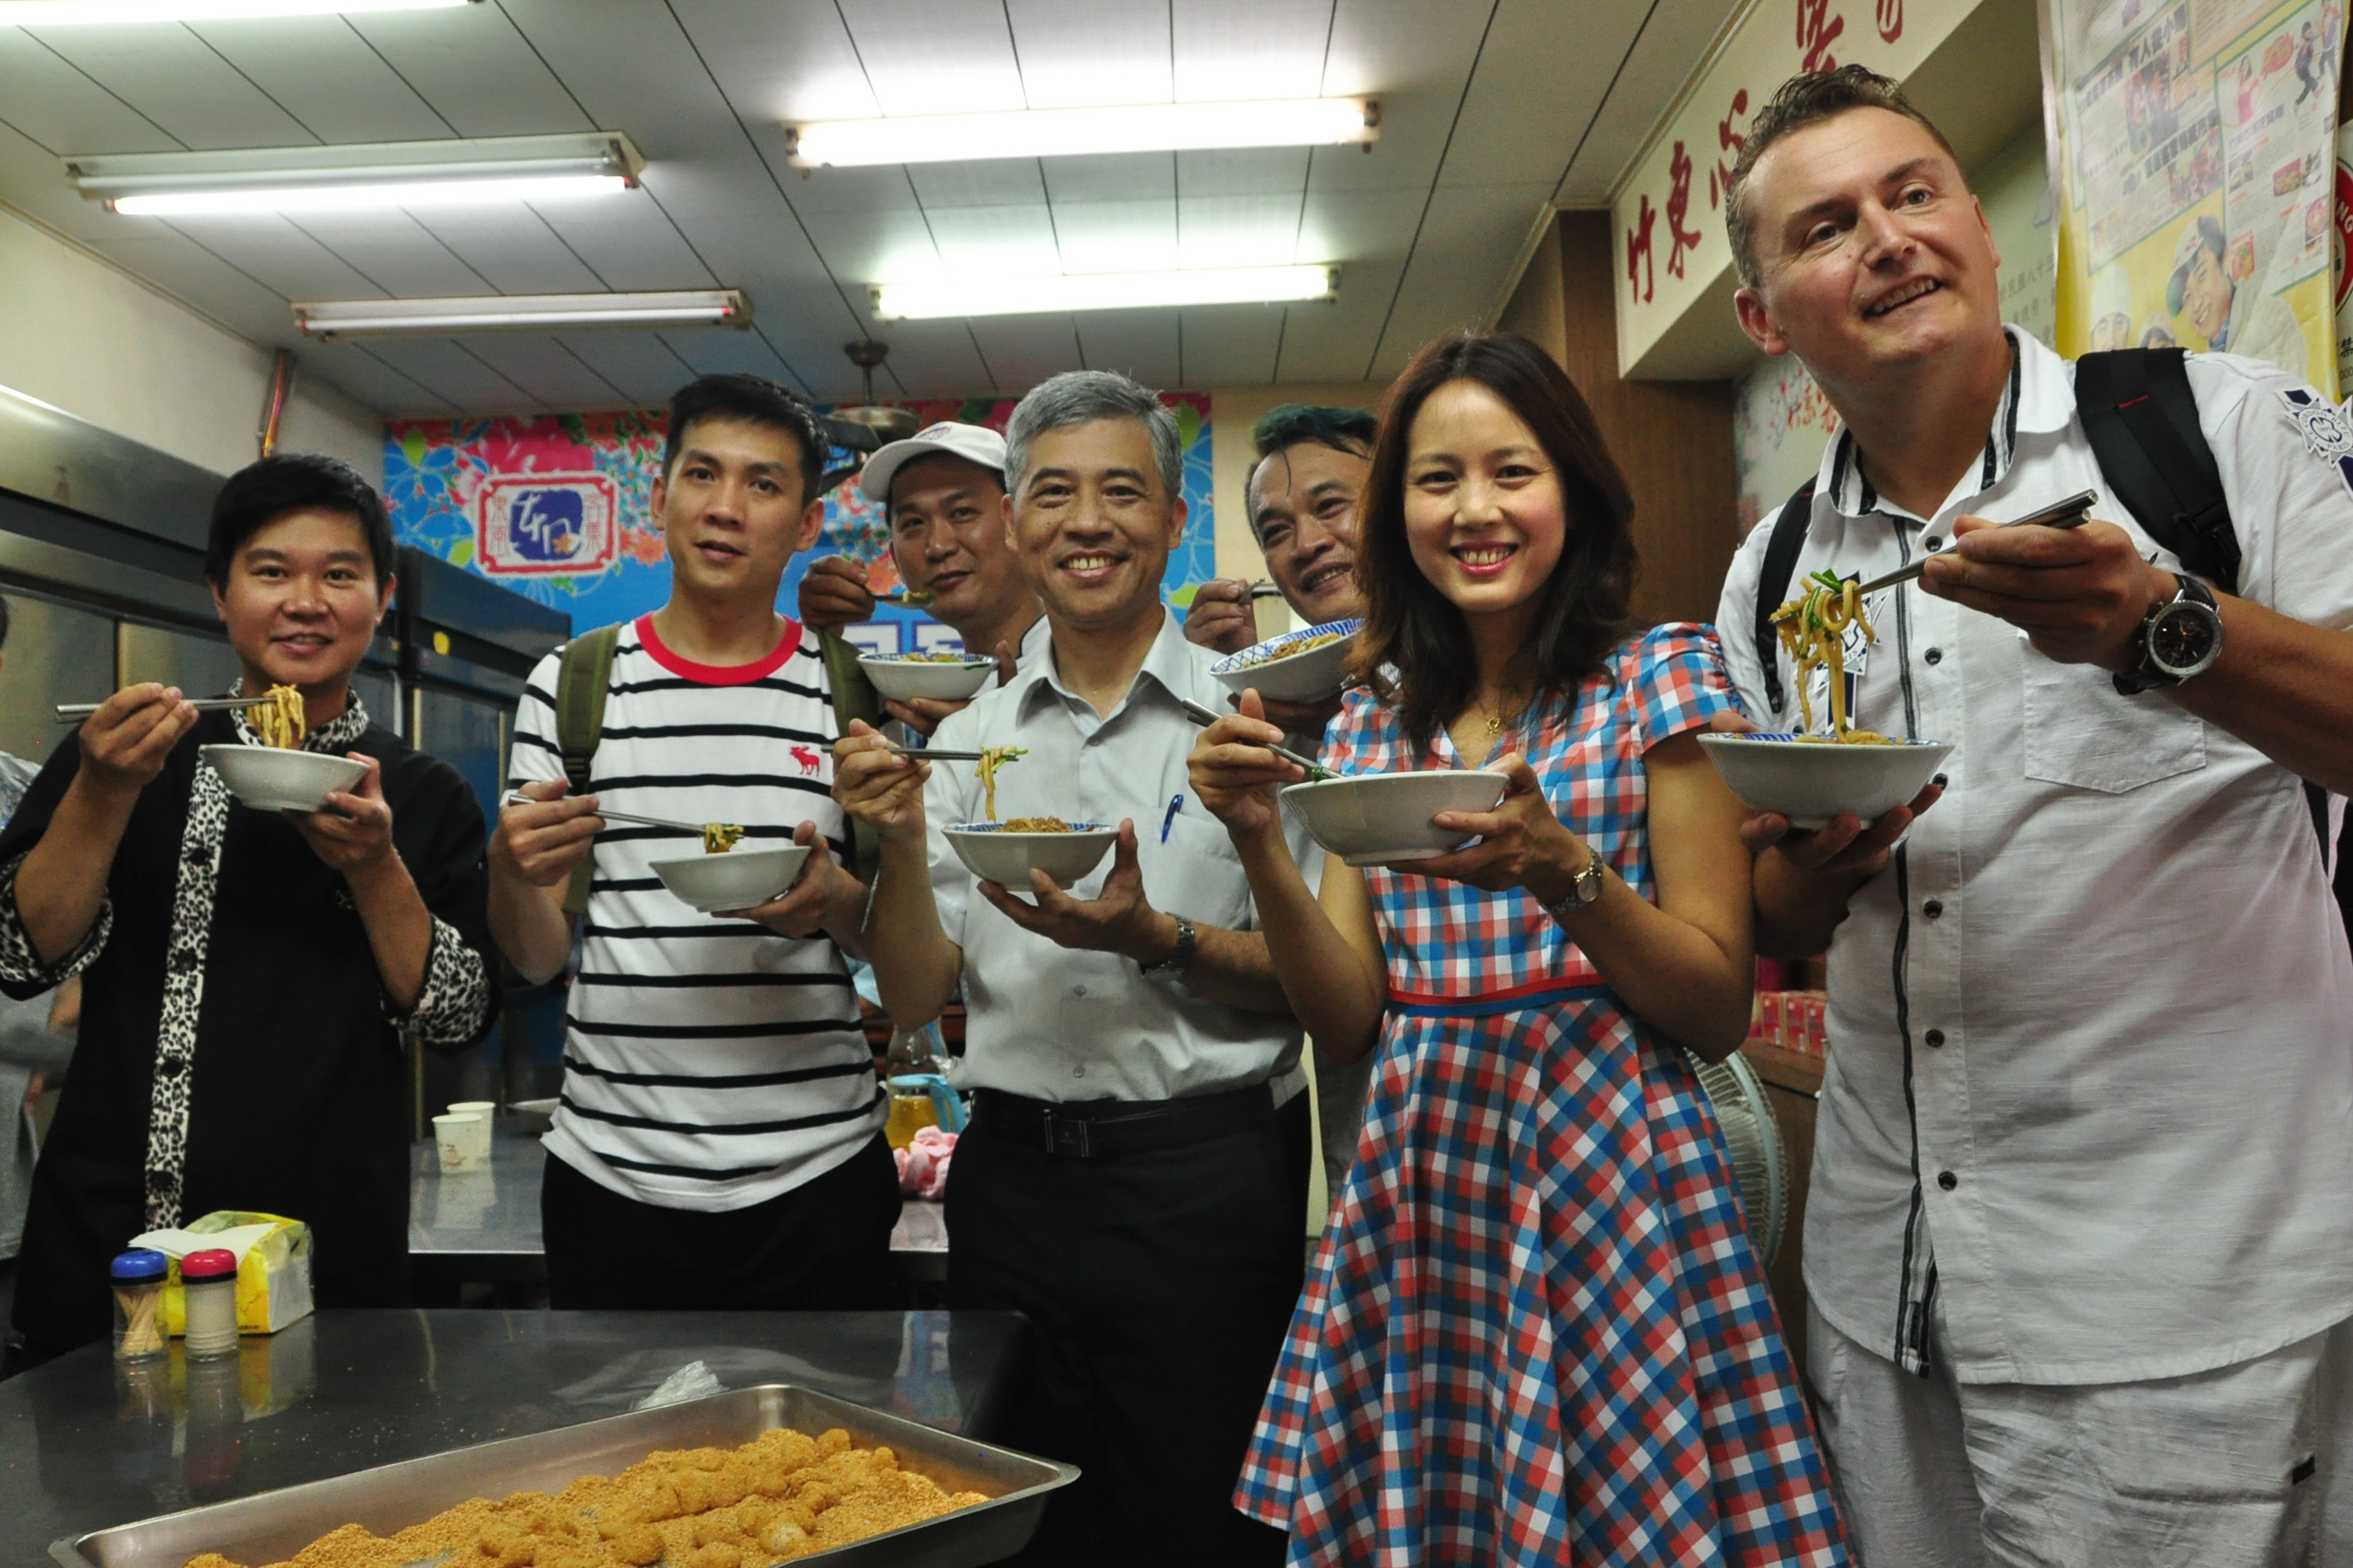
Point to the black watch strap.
(2146, 676)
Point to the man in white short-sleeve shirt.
(1136, 1169)
(718, 1144)
(2080, 1241)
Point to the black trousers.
(823, 1246)
(1160, 1285)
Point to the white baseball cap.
(974, 443)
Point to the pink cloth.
(924, 1165)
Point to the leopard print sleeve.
(20, 962)
(454, 1000)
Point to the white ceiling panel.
(1333, 341)
(981, 182)
(1110, 177)
(1077, 52)
(935, 57)
(1008, 239)
(1238, 231)
(513, 249)
(1229, 49)
(630, 242)
(1230, 345)
(1116, 236)
(1424, 223)
(1662, 59)
(546, 368)
(279, 257)
(400, 255)
(476, 70)
(181, 83)
(326, 76)
(1139, 343)
(780, 60)
(447, 371)
(52, 101)
(1468, 245)
(641, 365)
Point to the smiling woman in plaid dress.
(1536, 1332)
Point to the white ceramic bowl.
(268, 778)
(735, 881)
(1372, 818)
(1810, 783)
(993, 855)
(904, 679)
(1290, 677)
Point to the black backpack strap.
(2142, 421)
(1773, 584)
(583, 677)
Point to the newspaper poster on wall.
(2194, 148)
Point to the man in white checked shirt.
(718, 1140)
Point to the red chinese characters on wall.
(1818, 29)
(1639, 274)
(1728, 142)
(1891, 20)
(1678, 183)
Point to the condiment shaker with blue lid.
(137, 1279)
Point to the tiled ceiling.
(1490, 109)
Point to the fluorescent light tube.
(72, 13)
(962, 296)
(524, 313)
(1057, 133)
(379, 174)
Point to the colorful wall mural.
(559, 508)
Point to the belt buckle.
(1066, 1135)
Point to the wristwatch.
(1179, 958)
(2180, 637)
(1583, 889)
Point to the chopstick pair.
(1205, 716)
(516, 797)
(75, 712)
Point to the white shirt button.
(1079, 1071)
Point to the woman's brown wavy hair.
(1413, 628)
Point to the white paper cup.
(464, 1141)
(488, 1110)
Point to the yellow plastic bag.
(273, 1268)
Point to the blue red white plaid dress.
(1535, 1332)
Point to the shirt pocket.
(2081, 731)
(1196, 874)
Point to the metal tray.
(272, 1526)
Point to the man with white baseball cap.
(944, 491)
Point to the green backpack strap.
(854, 697)
(582, 679)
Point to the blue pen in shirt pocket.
(1175, 802)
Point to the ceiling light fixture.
(1057, 133)
(958, 296)
(524, 313)
(73, 13)
(377, 175)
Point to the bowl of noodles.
(1370, 819)
(1297, 667)
(941, 677)
(1810, 779)
(277, 774)
(1007, 852)
(731, 879)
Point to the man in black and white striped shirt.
(718, 1140)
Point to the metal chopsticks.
(75, 712)
(2073, 512)
(516, 797)
(1316, 771)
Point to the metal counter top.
(485, 1224)
(84, 1443)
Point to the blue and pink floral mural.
(560, 507)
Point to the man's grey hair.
(1081, 397)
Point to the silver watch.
(1180, 958)
(1583, 889)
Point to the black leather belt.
(1099, 1129)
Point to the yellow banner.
(2196, 163)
